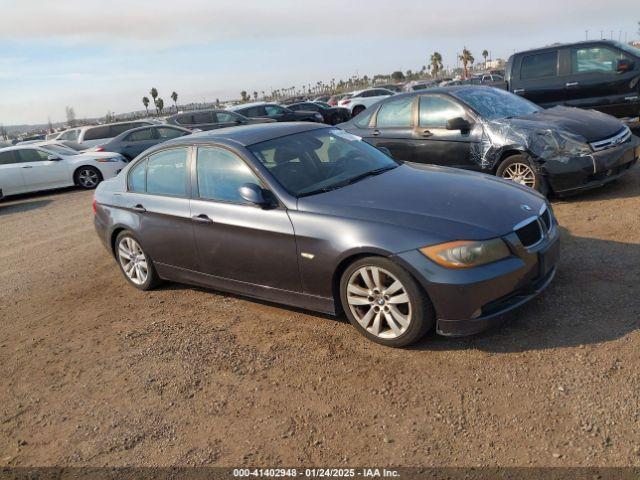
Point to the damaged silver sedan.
(560, 150)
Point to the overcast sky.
(105, 55)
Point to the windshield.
(492, 103)
(60, 150)
(321, 160)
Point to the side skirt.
(286, 297)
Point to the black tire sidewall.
(93, 169)
(423, 316)
(152, 277)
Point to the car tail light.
(346, 102)
(99, 149)
(94, 207)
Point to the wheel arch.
(505, 153)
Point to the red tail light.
(99, 149)
(94, 207)
(346, 102)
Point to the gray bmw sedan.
(311, 216)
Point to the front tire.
(88, 177)
(384, 302)
(134, 263)
(519, 169)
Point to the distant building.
(635, 43)
(497, 64)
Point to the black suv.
(602, 74)
(211, 119)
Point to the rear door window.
(395, 113)
(254, 112)
(185, 119)
(8, 158)
(539, 65)
(95, 133)
(436, 110)
(202, 117)
(167, 173)
(140, 135)
(273, 110)
(225, 117)
(32, 155)
(166, 133)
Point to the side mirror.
(458, 123)
(624, 65)
(53, 158)
(253, 193)
(386, 151)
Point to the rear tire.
(519, 169)
(385, 303)
(136, 266)
(87, 177)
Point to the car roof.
(143, 127)
(146, 123)
(246, 135)
(245, 105)
(204, 110)
(565, 45)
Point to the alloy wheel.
(379, 302)
(520, 173)
(88, 178)
(133, 261)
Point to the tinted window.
(140, 136)
(254, 112)
(226, 117)
(32, 155)
(7, 158)
(138, 177)
(395, 113)
(539, 66)
(69, 135)
(167, 173)
(185, 119)
(595, 59)
(202, 117)
(95, 133)
(435, 111)
(166, 132)
(273, 110)
(221, 174)
(116, 130)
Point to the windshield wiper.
(350, 181)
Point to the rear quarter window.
(95, 133)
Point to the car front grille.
(620, 137)
(535, 229)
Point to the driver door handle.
(202, 218)
(571, 84)
(376, 132)
(28, 166)
(138, 208)
(427, 133)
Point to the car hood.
(446, 203)
(588, 124)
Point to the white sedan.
(362, 99)
(34, 167)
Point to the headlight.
(467, 254)
(560, 143)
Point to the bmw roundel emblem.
(526, 208)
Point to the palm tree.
(145, 102)
(154, 95)
(466, 58)
(243, 95)
(485, 54)
(436, 63)
(174, 97)
(160, 105)
(255, 95)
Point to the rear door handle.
(518, 91)
(427, 133)
(202, 218)
(28, 166)
(376, 132)
(138, 208)
(571, 84)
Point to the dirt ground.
(95, 372)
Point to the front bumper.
(592, 171)
(471, 300)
